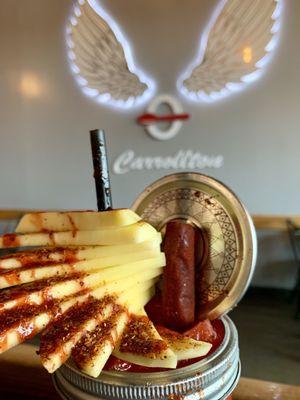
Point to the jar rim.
(212, 376)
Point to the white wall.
(44, 149)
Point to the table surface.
(22, 377)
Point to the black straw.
(101, 172)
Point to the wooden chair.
(294, 234)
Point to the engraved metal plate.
(229, 238)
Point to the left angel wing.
(234, 49)
(101, 58)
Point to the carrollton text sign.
(182, 160)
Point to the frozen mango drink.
(132, 304)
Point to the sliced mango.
(183, 346)
(75, 220)
(94, 348)
(60, 337)
(21, 328)
(17, 277)
(135, 233)
(66, 254)
(141, 344)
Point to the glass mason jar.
(231, 248)
(212, 378)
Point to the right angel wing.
(101, 60)
(234, 49)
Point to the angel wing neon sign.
(102, 64)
